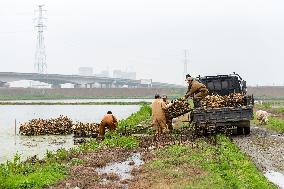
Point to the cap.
(164, 96)
(157, 96)
(188, 77)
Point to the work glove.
(182, 98)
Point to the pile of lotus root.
(178, 107)
(217, 101)
(85, 129)
(58, 126)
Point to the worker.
(196, 90)
(168, 120)
(159, 122)
(108, 121)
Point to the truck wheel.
(240, 130)
(246, 130)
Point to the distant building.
(86, 71)
(124, 75)
(103, 73)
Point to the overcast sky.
(149, 37)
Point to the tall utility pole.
(40, 56)
(186, 59)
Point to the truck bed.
(218, 115)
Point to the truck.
(224, 119)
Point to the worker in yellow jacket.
(108, 121)
(196, 90)
(159, 121)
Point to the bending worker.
(108, 121)
(196, 90)
(159, 121)
(168, 120)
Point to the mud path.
(266, 149)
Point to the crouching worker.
(109, 121)
(159, 121)
(196, 90)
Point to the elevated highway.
(80, 81)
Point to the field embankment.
(82, 93)
(33, 94)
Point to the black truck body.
(235, 119)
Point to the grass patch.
(205, 166)
(133, 121)
(275, 124)
(16, 174)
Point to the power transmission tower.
(40, 56)
(186, 59)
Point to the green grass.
(280, 110)
(275, 124)
(136, 118)
(16, 174)
(206, 166)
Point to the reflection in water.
(276, 178)
(123, 169)
(38, 145)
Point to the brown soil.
(86, 177)
(145, 178)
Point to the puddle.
(276, 178)
(123, 169)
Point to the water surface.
(38, 145)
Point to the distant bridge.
(80, 81)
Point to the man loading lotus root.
(196, 90)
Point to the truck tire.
(240, 130)
(247, 130)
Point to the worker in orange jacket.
(108, 121)
(196, 90)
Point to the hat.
(164, 96)
(188, 77)
(157, 96)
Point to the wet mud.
(265, 148)
(116, 167)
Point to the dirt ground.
(264, 147)
(85, 176)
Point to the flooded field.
(38, 145)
